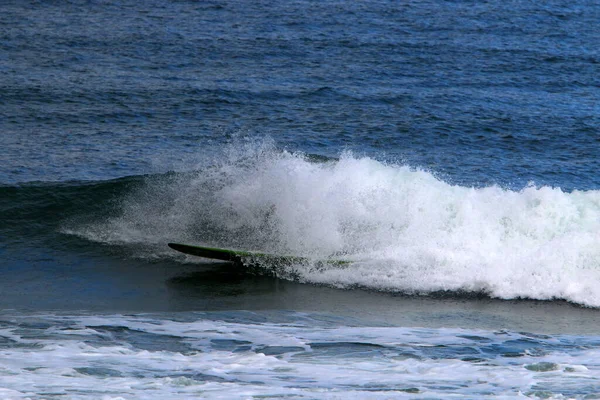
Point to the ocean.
(448, 149)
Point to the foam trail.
(407, 230)
(222, 355)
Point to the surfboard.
(248, 258)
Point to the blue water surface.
(126, 124)
(478, 92)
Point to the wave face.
(405, 229)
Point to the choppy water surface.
(497, 92)
(448, 149)
(281, 355)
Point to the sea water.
(447, 149)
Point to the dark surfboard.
(240, 257)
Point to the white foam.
(406, 229)
(80, 367)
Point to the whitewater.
(448, 150)
(240, 355)
(404, 229)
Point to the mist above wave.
(406, 229)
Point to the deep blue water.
(492, 92)
(449, 149)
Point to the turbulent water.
(447, 149)
(404, 229)
(292, 355)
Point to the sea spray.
(405, 229)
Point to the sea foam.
(404, 228)
(203, 356)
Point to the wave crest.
(405, 229)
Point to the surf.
(404, 229)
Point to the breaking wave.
(405, 229)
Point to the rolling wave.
(405, 229)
